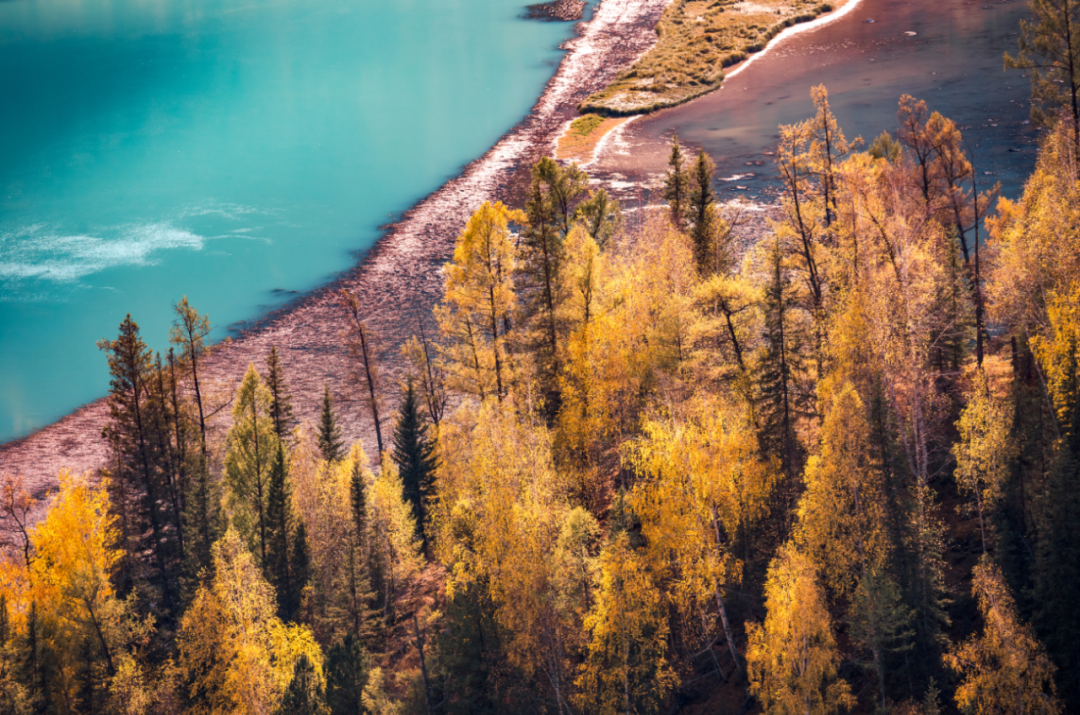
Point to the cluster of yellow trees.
(834, 470)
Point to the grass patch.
(696, 40)
(583, 126)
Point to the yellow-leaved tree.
(985, 448)
(626, 670)
(505, 525)
(395, 546)
(235, 654)
(69, 584)
(1006, 669)
(252, 444)
(842, 512)
(473, 317)
(702, 482)
(792, 659)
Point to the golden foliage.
(1005, 670)
(626, 669)
(235, 655)
(478, 300)
(792, 659)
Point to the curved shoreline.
(399, 279)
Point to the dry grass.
(580, 140)
(697, 40)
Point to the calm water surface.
(237, 151)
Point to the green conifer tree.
(701, 211)
(540, 265)
(299, 567)
(677, 183)
(781, 398)
(280, 520)
(414, 454)
(304, 695)
(330, 441)
(281, 411)
(134, 419)
(347, 668)
(203, 524)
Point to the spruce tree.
(330, 441)
(279, 520)
(414, 454)
(540, 266)
(134, 431)
(281, 411)
(203, 524)
(304, 696)
(347, 668)
(701, 211)
(781, 399)
(361, 574)
(299, 567)
(677, 183)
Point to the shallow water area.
(948, 52)
(237, 152)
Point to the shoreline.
(397, 280)
(612, 132)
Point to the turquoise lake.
(236, 151)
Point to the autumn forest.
(636, 466)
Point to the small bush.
(583, 126)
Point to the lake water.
(236, 151)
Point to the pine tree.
(134, 431)
(701, 210)
(330, 441)
(299, 567)
(540, 266)
(414, 453)
(203, 523)
(600, 215)
(279, 518)
(563, 186)
(781, 399)
(361, 574)
(190, 331)
(281, 411)
(879, 623)
(677, 183)
(304, 695)
(347, 669)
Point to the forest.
(636, 466)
